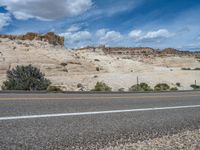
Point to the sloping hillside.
(68, 68)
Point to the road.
(92, 121)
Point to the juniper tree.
(27, 78)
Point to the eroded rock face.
(50, 37)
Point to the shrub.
(27, 78)
(121, 90)
(96, 60)
(97, 69)
(100, 86)
(196, 68)
(63, 64)
(140, 87)
(54, 89)
(178, 84)
(195, 86)
(162, 87)
(95, 76)
(65, 70)
(174, 89)
(80, 85)
(186, 68)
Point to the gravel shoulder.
(189, 140)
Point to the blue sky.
(130, 23)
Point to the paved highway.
(92, 121)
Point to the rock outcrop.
(50, 37)
(170, 51)
(122, 50)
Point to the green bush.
(196, 68)
(178, 84)
(102, 87)
(140, 87)
(162, 87)
(121, 90)
(63, 64)
(54, 89)
(195, 86)
(27, 78)
(186, 68)
(80, 85)
(97, 69)
(174, 89)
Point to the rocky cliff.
(50, 37)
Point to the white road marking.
(95, 113)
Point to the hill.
(118, 67)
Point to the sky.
(125, 23)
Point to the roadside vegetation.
(26, 78)
(186, 69)
(195, 87)
(178, 84)
(121, 90)
(102, 87)
(29, 78)
(194, 69)
(56, 89)
(162, 87)
(174, 89)
(142, 87)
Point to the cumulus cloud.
(74, 35)
(4, 20)
(135, 34)
(106, 36)
(162, 33)
(45, 9)
(158, 35)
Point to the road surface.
(93, 121)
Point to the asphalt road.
(93, 121)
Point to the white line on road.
(95, 113)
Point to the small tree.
(27, 78)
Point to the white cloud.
(162, 33)
(135, 34)
(46, 9)
(153, 36)
(73, 28)
(101, 32)
(106, 36)
(74, 34)
(4, 20)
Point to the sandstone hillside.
(118, 67)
